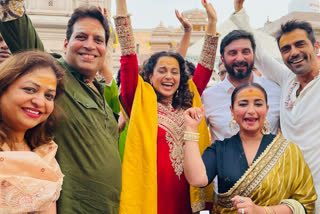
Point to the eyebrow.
(38, 86)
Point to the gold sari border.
(251, 179)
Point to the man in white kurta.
(299, 105)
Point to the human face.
(250, 110)
(29, 100)
(238, 58)
(297, 52)
(166, 76)
(86, 48)
(4, 50)
(222, 72)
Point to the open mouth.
(167, 85)
(32, 113)
(250, 121)
(296, 61)
(86, 56)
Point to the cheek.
(50, 107)
(101, 49)
(239, 113)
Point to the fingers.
(196, 113)
(104, 12)
(177, 14)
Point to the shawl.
(139, 169)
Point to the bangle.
(187, 29)
(191, 136)
(267, 210)
(274, 210)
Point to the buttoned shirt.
(217, 101)
(87, 135)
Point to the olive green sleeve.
(17, 29)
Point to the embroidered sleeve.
(125, 34)
(208, 52)
(11, 9)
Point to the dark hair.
(190, 68)
(293, 25)
(118, 78)
(183, 96)
(247, 85)
(235, 35)
(84, 12)
(14, 68)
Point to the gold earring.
(266, 128)
(233, 127)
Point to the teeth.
(168, 84)
(88, 56)
(297, 61)
(32, 112)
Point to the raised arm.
(129, 63)
(16, 27)
(185, 40)
(206, 61)
(194, 168)
(267, 65)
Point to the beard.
(240, 73)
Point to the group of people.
(59, 135)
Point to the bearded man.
(237, 51)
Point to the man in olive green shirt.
(88, 133)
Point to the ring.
(241, 200)
(242, 211)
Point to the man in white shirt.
(237, 51)
(300, 85)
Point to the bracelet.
(191, 136)
(267, 209)
(274, 210)
(187, 29)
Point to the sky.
(149, 13)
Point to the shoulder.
(214, 90)
(266, 83)
(227, 142)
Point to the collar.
(229, 88)
(81, 78)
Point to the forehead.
(88, 25)
(239, 44)
(250, 93)
(167, 61)
(41, 76)
(292, 37)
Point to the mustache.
(239, 64)
(293, 58)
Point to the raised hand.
(238, 5)
(183, 20)
(212, 15)
(104, 12)
(193, 117)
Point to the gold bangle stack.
(191, 136)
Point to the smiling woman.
(31, 180)
(247, 163)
